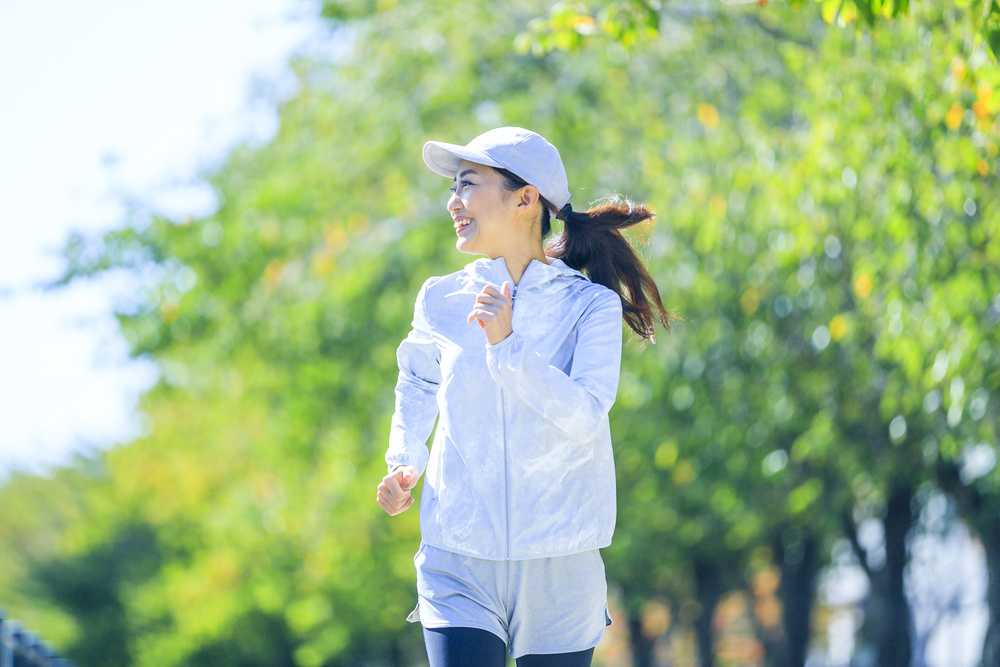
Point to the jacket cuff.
(497, 346)
(393, 462)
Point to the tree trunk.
(980, 512)
(893, 638)
(990, 535)
(799, 566)
(709, 590)
(642, 646)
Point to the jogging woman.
(518, 358)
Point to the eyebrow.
(467, 171)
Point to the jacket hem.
(517, 556)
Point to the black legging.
(472, 647)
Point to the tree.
(815, 233)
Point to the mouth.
(462, 223)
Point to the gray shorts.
(536, 606)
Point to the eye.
(462, 183)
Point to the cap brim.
(444, 158)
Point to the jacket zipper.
(503, 414)
(503, 408)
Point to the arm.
(416, 394)
(576, 403)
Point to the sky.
(102, 103)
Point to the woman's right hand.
(394, 491)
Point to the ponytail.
(592, 242)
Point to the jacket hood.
(537, 275)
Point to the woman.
(520, 486)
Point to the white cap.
(515, 149)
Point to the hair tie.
(565, 211)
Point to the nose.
(454, 203)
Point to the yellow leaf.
(958, 68)
(684, 473)
(169, 310)
(954, 117)
(717, 205)
(749, 301)
(323, 263)
(838, 327)
(274, 273)
(666, 455)
(862, 285)
(708, 115)
(336, 238)
(585, 25)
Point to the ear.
(527, 198)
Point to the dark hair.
(591, 242)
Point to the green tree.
(815, 232)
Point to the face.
(482, 210)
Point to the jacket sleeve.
(419, 364)
(576, 403)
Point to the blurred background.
(217, 221)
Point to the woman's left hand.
(494, 313)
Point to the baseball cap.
(515, 149)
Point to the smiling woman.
(483, 212)
(519, 494)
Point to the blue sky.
(104, 101)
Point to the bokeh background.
(806, 466)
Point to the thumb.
(406, 479)
(506, 290)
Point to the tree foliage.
(827, 229)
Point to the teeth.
(463, 223)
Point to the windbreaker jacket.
(521, 463)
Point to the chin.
(463, 245)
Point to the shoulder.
(435, 283)
(438, 295)
(598, 298)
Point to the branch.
(851, 531)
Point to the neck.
(517, 260)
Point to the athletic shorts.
(536, 606)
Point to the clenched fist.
(494, 312)
(394, 491)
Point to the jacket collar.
(536, 274)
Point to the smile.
(462, 222)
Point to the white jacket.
(521, 464)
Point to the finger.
(490, 290)
(384, 499)
(411, 480)
(497, 301)
(398, 495)
(395, 491)
(506, 291)
(405, 479)
(384, 504)
(390, 506)
(487, 311)
(486, 315)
